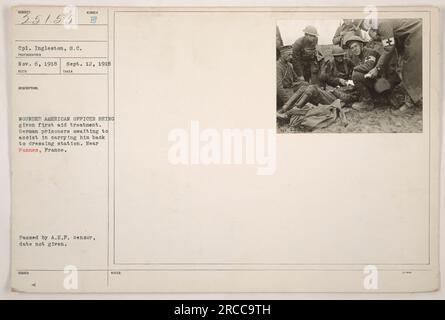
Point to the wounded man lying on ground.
(309, 93)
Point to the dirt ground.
(380, 119)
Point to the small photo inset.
(349, 75)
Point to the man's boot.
(408, 105)
(284, 112)
(288, 105)
(366, 101)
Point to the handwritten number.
(58, 19)
(26, 18)
(40, 19)
(37, 19)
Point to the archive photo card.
(224, 149)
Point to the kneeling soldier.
(337, 71)
(364, 60)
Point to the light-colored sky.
(293, 29)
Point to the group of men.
(357, 73)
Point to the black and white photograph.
(349, 75)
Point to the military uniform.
(315, 94)
(405, 36)
(305, 61)
(368, 87)
(285, 81)
(304, 93)
(364, 63)
(344, 31)
(333, 71)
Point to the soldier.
(337, 71)
(306, 58)
(285, 75)
(347, 29)
(405, 37)
(364, 60)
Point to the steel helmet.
(354, 38)
(311, 30)
(338, 51)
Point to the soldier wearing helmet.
(337, 71)
(306, 59)
(365, 60)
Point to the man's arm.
(296, 57)
(282, 93)
(337, 36)
(327, 75)
(369, 63)
(386, 32)
(350, 66)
